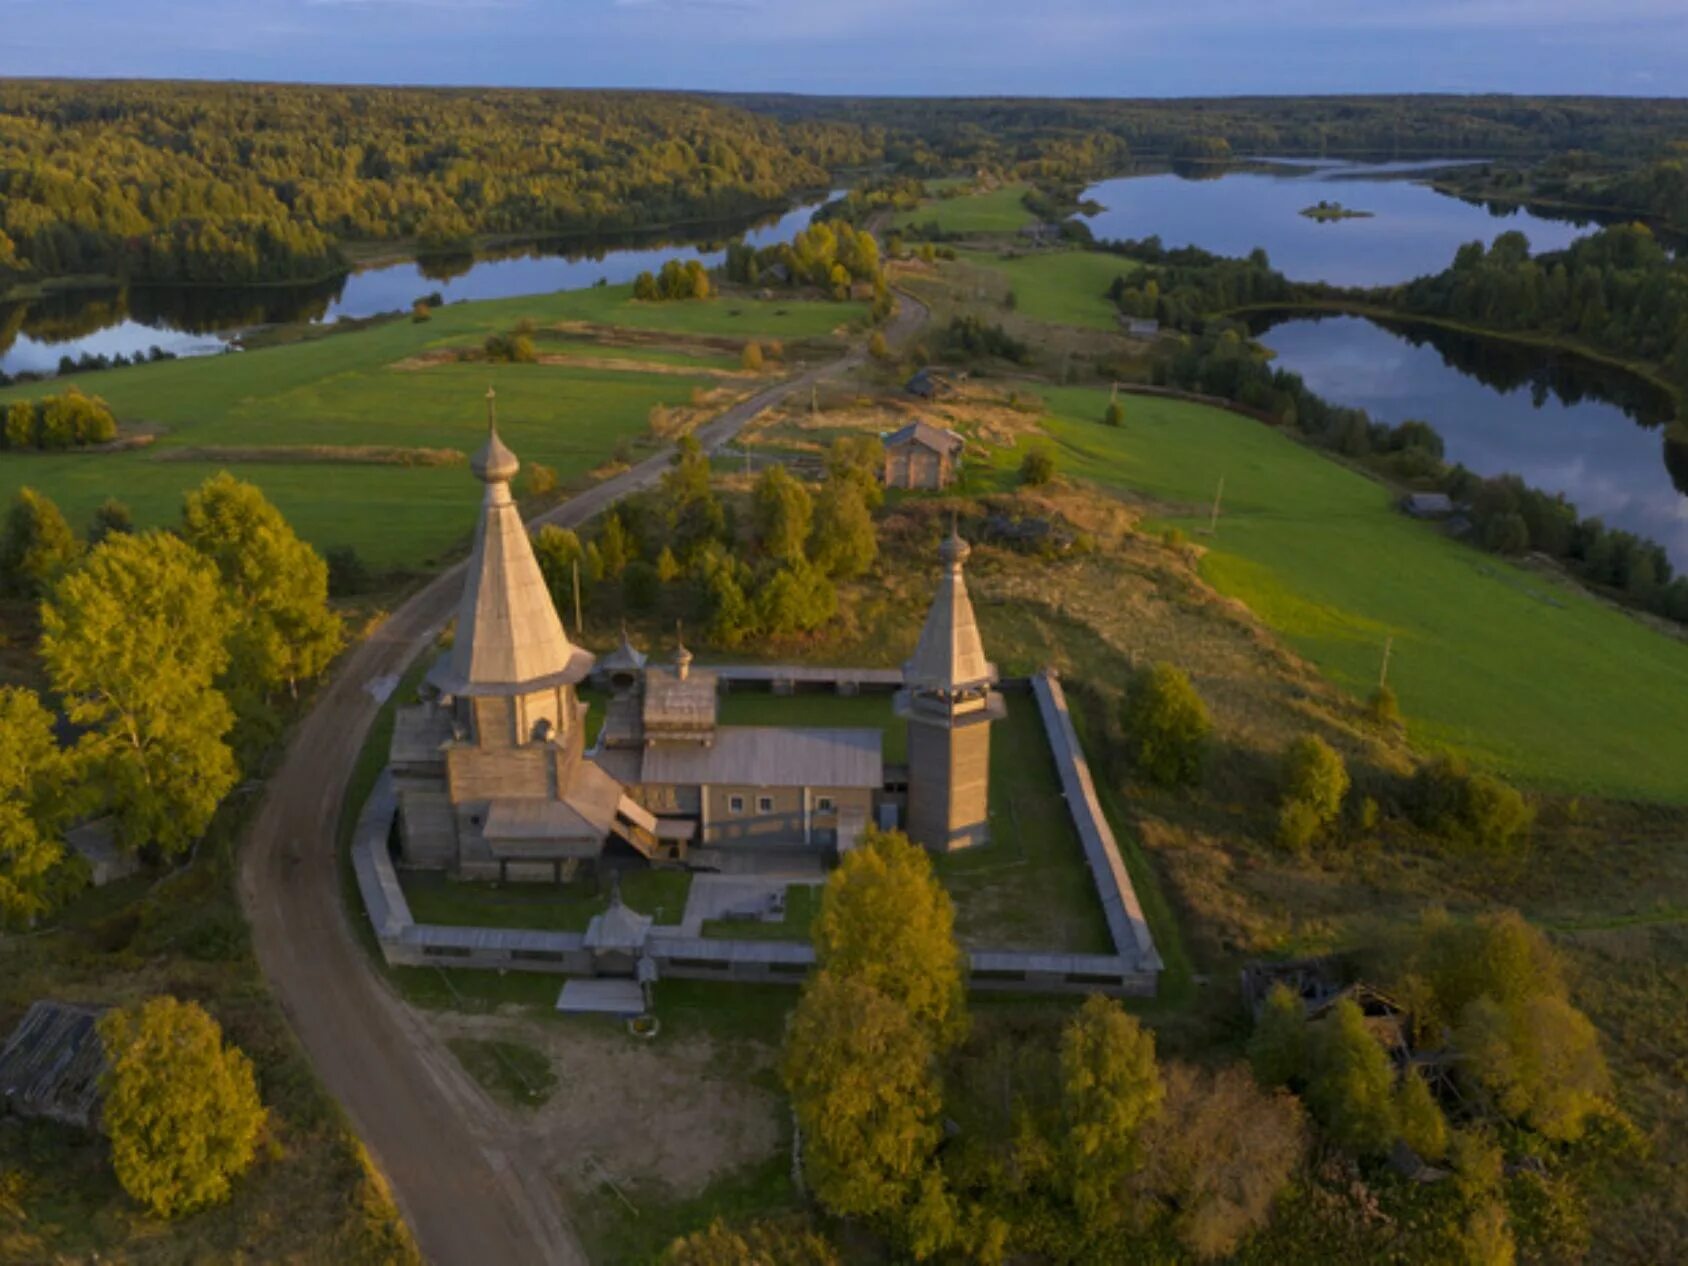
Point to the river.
(1563, 423)
(201, 320)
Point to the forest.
(245, 183)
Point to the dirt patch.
(657, 1113)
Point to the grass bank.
(1520, 670)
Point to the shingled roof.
(509, 639)
(949, 658)
(935, 438)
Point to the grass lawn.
(1029, 887)
(1521, 672)
(569, 907)
(819, 708)
(344, 390)
(999, 211)
(1062, 287)
(510, 1072)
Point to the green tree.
(781, 513)
(762, 1243)
(1277, 1049)
(35, 780)
(20, 425)
(557, 550)
(37, 546)
(180, 1107)
(1536, 1060)
(133, 641)
(615, 547)
(1315, 782)
(843, 542)
(860, 459)
(110, 516)
(885, 920)
(1166, 726)
(1422, 1125)
(1110, 1090)
(1351, 1086)
(864, 1088)
(795, 598)
(1037, 468)
(286, 633)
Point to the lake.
(1412, 230)
(190, 321)
(1563, 424)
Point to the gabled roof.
(509, 639)
(935, 438)
(770, 756)
(949, 656)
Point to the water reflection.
(1230, 210)
(1564, 424)
(193, 320)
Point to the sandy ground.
(473, 1188)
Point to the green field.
(346, 390)
(999, 211)
(1521, 672)
(1064, 287)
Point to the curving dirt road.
(464, 1181)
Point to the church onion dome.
(494, 463)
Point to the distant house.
(1428, 505)
(95, 842)
(922, 456)
(52, 1063)
(1042, 233)
(922, 384)
(1140, 327)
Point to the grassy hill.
(367, 388)
(1519, 670)
(996, 211)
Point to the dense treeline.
(1617, 290)
(829, 254)
(1655, 188)
(235, 183)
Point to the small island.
(1323, 210)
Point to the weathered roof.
(672, 702)
(574, 826)
(618, 928)
(509, 639)
(935, 438)
(771, 756)
(624, 658)
(949, 656)
(419, 733)
(52, 1063)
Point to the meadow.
(1519, 670)
(1063, 287)
(995, 211)
(355, 389)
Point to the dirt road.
(470, 1188)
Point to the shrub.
(1315, 781)
(751, 358)
(347, 572)
(1277, 1050)
(1474, 809)
(1167, 727)
(877, 347)
(1350, 1087)
(1422, 1125)
(1037, 468)
(1382, 707)
(1114, 414)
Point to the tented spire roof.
(949, 657)
(509, 639)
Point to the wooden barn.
(922, 456)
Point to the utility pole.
(579, 630)
(1218, 496)
(1383, 673)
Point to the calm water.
(1414, 230)
(1564, 425)
(197, 321)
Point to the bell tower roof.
(949, 658)
(509, 639)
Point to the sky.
(1116, 48)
